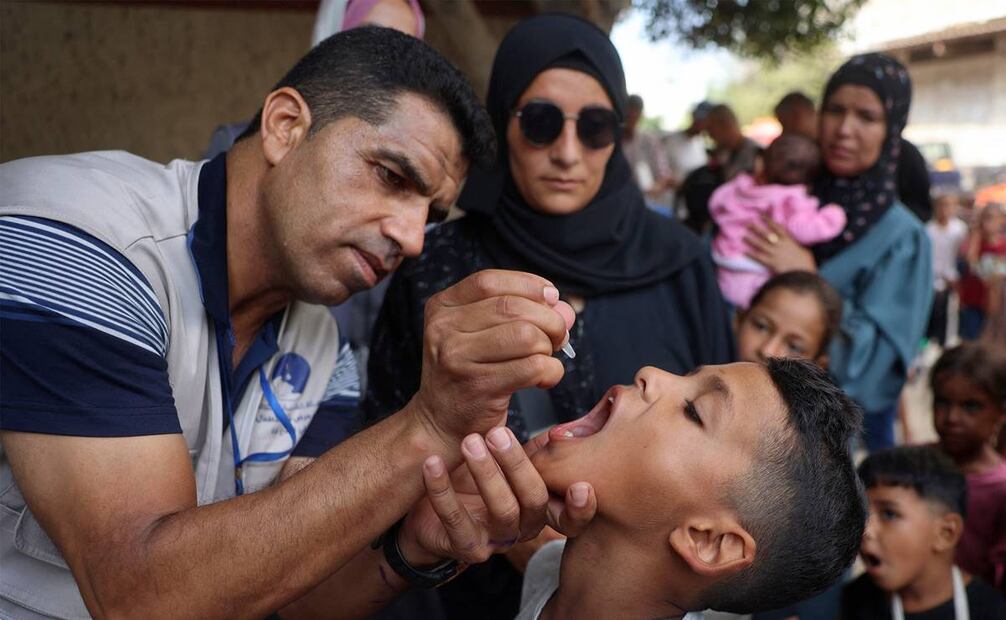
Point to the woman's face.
(853, 127)
(561, 177)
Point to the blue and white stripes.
(56, 273)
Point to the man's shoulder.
(112, 195)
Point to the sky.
(672, 78)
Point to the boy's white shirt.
(541, 580)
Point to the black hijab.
(868, 196)
(614, 243)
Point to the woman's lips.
(562, 184)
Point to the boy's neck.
(601, 577)
(932, 588)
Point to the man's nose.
(408, 229)
(566, 150)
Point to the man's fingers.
(536, 443)
(461, 530)
(525, 481)
(571, 515)
(502, 508)
(498, 282)
(501, 343)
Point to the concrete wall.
(962, 101)
(154, 80)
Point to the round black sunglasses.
(541, 123)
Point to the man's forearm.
(251, 555)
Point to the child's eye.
(972, 406)
(888, 515)
(692, 413)
(796, 349)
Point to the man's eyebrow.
(409, 170)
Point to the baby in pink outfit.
(778, 190)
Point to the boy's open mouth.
(871, 560)
(589, 424)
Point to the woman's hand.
(773, 247)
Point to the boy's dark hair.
(635, 102)
(362, 72)
(791, 159)
(983, 364)
(924, 469)
(794, 99)
(802, 501)
(812, 283)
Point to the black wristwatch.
(419, 578)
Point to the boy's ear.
(713, 547)
(286, 120)
(948, 529)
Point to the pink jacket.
(739, 203)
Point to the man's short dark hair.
(923, 469)
(363, 71)
(802, 502)
(794, 100)
(635, 102)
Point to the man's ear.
(947, 531)
(716, 547)
(286, 120)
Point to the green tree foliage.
(767, 29)
(761, 84)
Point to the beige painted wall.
(154, 80)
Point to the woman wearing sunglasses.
(560, 203)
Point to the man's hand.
(486, 337)
(496, 499)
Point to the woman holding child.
(880, 263)
(560, 203)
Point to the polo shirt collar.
(208, 238)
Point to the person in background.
(561, 203)
(734, 153)
(969, 412)
(881, 263)
(797, 114)
(946, 233)
(686, 150)
(917, 516)
(646, 158)
(914, 185)
(794, 314)
(777, 190)
(985, 254)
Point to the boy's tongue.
(586, 426)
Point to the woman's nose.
(566, 150)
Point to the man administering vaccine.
(168, 362)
